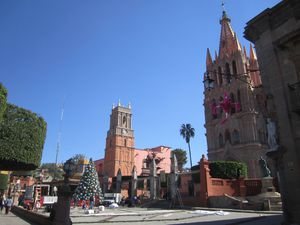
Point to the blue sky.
(147, 52)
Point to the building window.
(125, 142)
(232, 99)
(124, 121)
(215, 77)
(214, 109)
(220, 79)
(236, 137)
(221, 140)
(234, 70)
(227, 73)
(239, 101)
(227, 136)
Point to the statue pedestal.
(267, 184)
(268, 198)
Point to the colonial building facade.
(276, 35)
(120, 152)
(234, 103)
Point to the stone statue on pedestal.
(264, 167)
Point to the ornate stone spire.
(252, 53)
(208, 59)
(228, 40)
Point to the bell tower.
(234, 122)
(119, 150)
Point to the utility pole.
(59, 131)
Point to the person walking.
(8, 204)
(1, 202)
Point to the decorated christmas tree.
(89, 185)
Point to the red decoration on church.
(226, 104)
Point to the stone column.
(133, 182)
(153, 175)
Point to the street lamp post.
(62, 208)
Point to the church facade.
(120, 152)
(234, 103)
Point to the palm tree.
(187, 132)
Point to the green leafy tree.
(56, 171)
(181, 157)
(3, 97)
(22, 137)
(187, 132)
(89, 184)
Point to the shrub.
(22, 137)
(227, 169)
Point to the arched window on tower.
(234, 70)
(235, 137)
(221, 140)
(215, 78)
(239, 100)
(227, 136)
(220, 78)
(227, 73)
(125, 142)
(124, 121)
(214, 109)
(232, 98)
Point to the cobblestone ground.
(135, 216)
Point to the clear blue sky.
(148, 52)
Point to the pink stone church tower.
(237, 133)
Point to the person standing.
(91, 202)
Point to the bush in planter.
(227, 169)
(22, 137)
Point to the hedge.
(3, 96)
(22, 137)
(227, 169)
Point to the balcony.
(295, 97)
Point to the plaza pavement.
(135, 216)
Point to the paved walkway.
(11, 219)
(135, 216)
